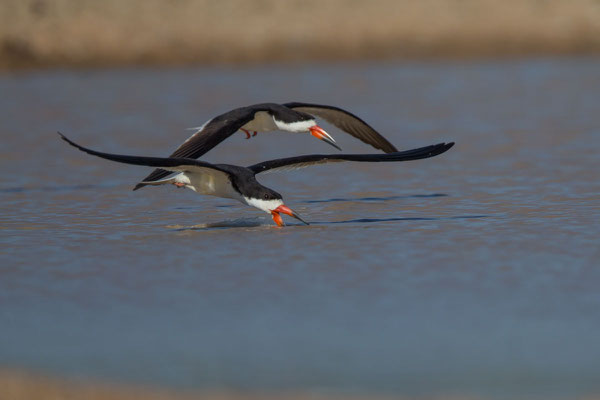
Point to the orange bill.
(285, 210)
(320, 133)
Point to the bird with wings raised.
(292, 117)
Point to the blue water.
(475, 272)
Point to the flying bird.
(290, 117)
(239, 183)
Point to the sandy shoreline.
(18, 385)
(86, 33)
(21, 385)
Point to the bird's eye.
(266, 196)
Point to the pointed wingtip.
(66, 139)
(443, 147)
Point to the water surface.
(475, 272)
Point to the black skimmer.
(239, 183)
(291, 117)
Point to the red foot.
(179, 184)
(246, 132)
(277, 218)
(255, 133)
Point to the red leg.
(255, 133)
(246, 132)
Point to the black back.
(283, 113)
(244, 182)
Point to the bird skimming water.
(239, 183)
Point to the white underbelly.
(262, 122)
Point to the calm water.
(475, 272)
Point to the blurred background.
(470, 275)
(41, 33)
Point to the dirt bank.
(16, 385)
(39, 33)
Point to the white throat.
(299, 126)
(265, 205)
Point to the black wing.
(207, 137)
(347, 122)
(314, 159)
(171, 164)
